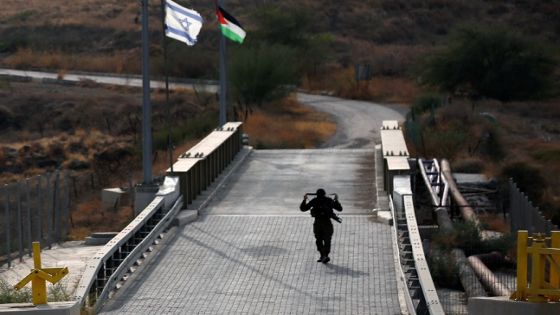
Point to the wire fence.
(38, 209)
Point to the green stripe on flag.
(229, 33)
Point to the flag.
(181, 23)
(230, 26)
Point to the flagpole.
(223, 76)
(146, 107)
(167, 107)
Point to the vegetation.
(56, 293)
(492, 63)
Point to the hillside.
(389, 34)
(393, 36)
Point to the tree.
(492, 63)
(261, 73)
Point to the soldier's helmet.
(321, 192)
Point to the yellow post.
(39, 277)
(554, 272)
(521, 293)
(537, 268)
(38, 285)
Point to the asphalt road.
(358, 122)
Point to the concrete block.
(54, 308)
(145, 194)
(382, 216)
(112, 197)
(185, 217)
(169, 190)
(99, 238)
(504, 306)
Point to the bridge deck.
(253, 252)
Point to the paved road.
(358, 122)
(252, 252)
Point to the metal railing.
(195, 169)
(420, 294)
(113, 261)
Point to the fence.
(38, 209)
(525, 216)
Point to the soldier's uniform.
(322, 210)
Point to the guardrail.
(195, 169)
(421, 295)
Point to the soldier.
(322, 210)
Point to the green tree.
(492, 63)
(261, 73)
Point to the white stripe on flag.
(181, 23)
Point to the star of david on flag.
(181, 23)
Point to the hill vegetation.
(317, 44)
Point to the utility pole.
(223, 76)
(145, 192)
(146, 107)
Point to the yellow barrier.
(545, 267)
(39, 277)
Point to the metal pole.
(39, 210)
(29, 221)
(8, 224)
(50, 210)
(167, 106)
(146, 108)
(19, 223)
(223, 76)
(56, 206)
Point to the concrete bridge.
(252, 251)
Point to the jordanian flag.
(230, 26)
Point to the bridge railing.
(192, 173)
(420, 293)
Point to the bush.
(493, 63)
(426, 103)
(443, 270)
(466, 236)
(469, 166)
(527, 177)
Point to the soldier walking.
(322, 210)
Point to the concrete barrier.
(504, 306)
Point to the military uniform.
(322, 210)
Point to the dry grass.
(495, 222)
(90, 216)
(116, 62)
(289, 126)
(342, 82)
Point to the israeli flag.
(181, 23)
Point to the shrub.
(493, 63)
(443, 270)
(527, 177)
(470, 166)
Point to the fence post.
(39, 210)
(554, 275)
(522, 238)
(8, 224)
(19, 222)
(29, 221)
(56, 206)
(50, 210)
(66, 215)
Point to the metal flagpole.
(223, 76)
(167, 106)
(146, 108)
